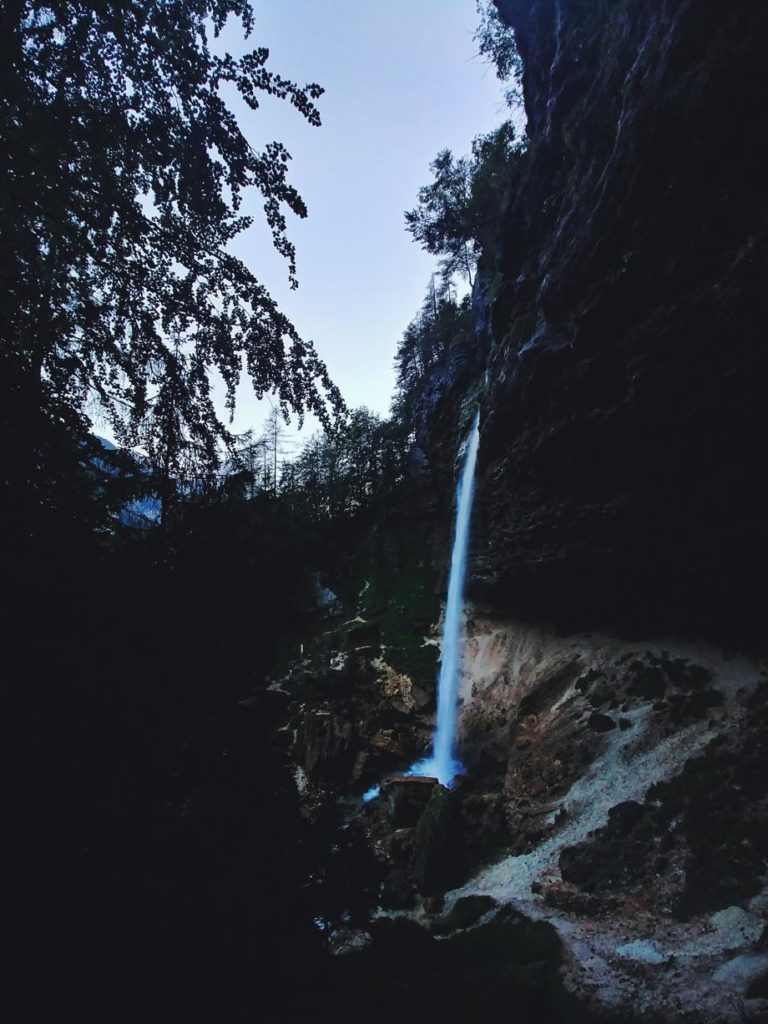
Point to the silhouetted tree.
(274, 439)
(122, 182)
(457, 212)
(440, 223)
(441, 328)
(340, 473)
(496, 41)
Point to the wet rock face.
(354, 719)
(416, 829)
(624, 431)
(576, 714)
(327, 740)
(397, 890)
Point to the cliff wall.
(613, 701)
(623, 475)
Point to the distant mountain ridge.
(140, 514)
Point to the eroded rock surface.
(645, 843)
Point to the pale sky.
(403, 80)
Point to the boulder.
(406, 796)
(397, 890)
(466, 911)
(439, 860)
(344, 941)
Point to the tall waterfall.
(443, 763)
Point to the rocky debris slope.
(615, 790)
(633, 779)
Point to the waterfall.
(443, 763)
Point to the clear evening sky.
(403, 80)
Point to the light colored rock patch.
(643, 951)
(301, 779)
(394, 684)
(667, 969)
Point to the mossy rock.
(509, 965)
(519, 940)
(405, 607)
(439, 861)
(360, 633)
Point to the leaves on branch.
(122, 186)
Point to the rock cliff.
(615, 791)
(624, 429)
(616, 746)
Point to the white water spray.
(443, 763)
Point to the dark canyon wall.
(623, 463)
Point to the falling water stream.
(443, 763)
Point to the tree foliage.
(441, 221)
(457, 212)
(431, 341)
(336, 475)
(122, 185)
(496, 42)
(342, 472)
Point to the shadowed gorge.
(525, 609)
